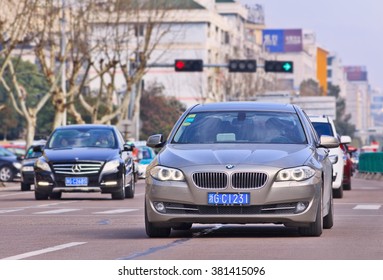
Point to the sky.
(352, 29)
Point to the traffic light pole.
(210, 65)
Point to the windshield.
(82, 138)
(240, 127)
(32, 154)
(5, 153)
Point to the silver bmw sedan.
(240, 163)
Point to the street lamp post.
(63, 66)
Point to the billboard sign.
(356, 73)
(282, 40)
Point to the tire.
(25, 187)
(338, 193)
(347, 187)
(41, 196)
(183, 226)
(6, 174)
(119, 195)
(130, 190)
(153, 231)
(315, 228)
(55, 195)
(328, 220)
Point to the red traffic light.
(188, 65)
(180, 64)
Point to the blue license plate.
(76, 181)
(228, 198)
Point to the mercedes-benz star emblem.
(229, 166)
(76, 168)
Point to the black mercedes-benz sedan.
(84, 158)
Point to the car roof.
(322, 119)
(245, 106)
(80, 126)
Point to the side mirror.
(155, 141)
(345, 139)
(38, 149)
(328, 142)
(128, 148)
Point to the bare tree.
(78, 43)
(16, 32)
(124, 36)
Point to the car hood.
(79, 154)
(29, 161)
(257, 154)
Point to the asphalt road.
(94, 227)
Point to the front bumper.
(278, 202)
(47, 182)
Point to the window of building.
(139, 30)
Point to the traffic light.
(242, 65)
(188, 65)
(279, 66)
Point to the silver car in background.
(239, 163)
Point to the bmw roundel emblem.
(229, 166)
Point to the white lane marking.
(13, 194)
(10, 210)
(367, 207)
(116, 211)
(58, 211)
(43, 251)
(54, 204)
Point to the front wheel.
(347, 187)
(183, 226)
(6, 174)
(25, 187)
(55, 195)
(41, 196)
(328, 220)
(338, 193)
(130, 190)
(120, 194)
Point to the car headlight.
(42, 165)
(17, 165)
(163, 173)
(295, 174)
(112, 166)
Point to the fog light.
(160, 207)
(301, 206)
(110, 183)
(44, 184)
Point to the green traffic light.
(287, 66)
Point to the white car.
(145, 157)
(324, 125)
